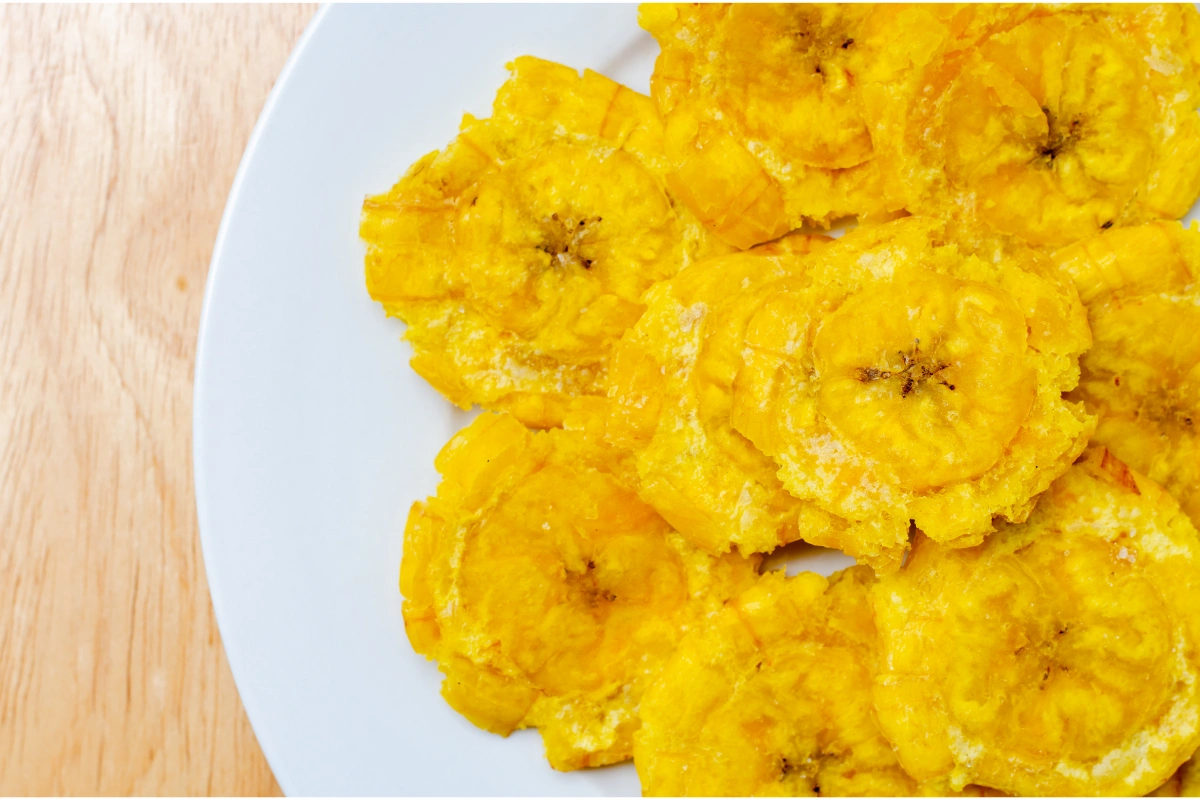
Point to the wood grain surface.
(120, 132)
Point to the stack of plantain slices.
(987, 392)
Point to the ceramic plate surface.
(312, 434)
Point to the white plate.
(312, 434)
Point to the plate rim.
(199, 454)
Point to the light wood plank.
(120, 132)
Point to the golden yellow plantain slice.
(772, 697)
(671, 386)
(767, 127)
(519, 254)
(548, 593)
(1075, 119)
(1169, 789)
(1142, 375)
(1184, 783)
(1060, 657)
(910, 373)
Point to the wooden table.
(120, 132)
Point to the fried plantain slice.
(1189, 778)
(518, 255)
(912, 373)
(767, 127)
(772, 697)
(1061, 656)
(671, 390)
(1075, 119)
(1142, 375)
(548, 593)
(1169, 789)
(1184, 783)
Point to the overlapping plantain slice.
(1071, 120)
(1142, 375)
(519, 254)
(671, 390)
(1062, 656)
(911, 373)
(548, 593)
(1189, 778)
(1184, 783)
(769, 109)
(772, 697)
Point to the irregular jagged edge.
(1059, 374)
(740, 187)
(1157, 264)
(483, 465)
(744, 633)
(903, 109)
(1099, 468)
(668, 380)
(541, 104)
